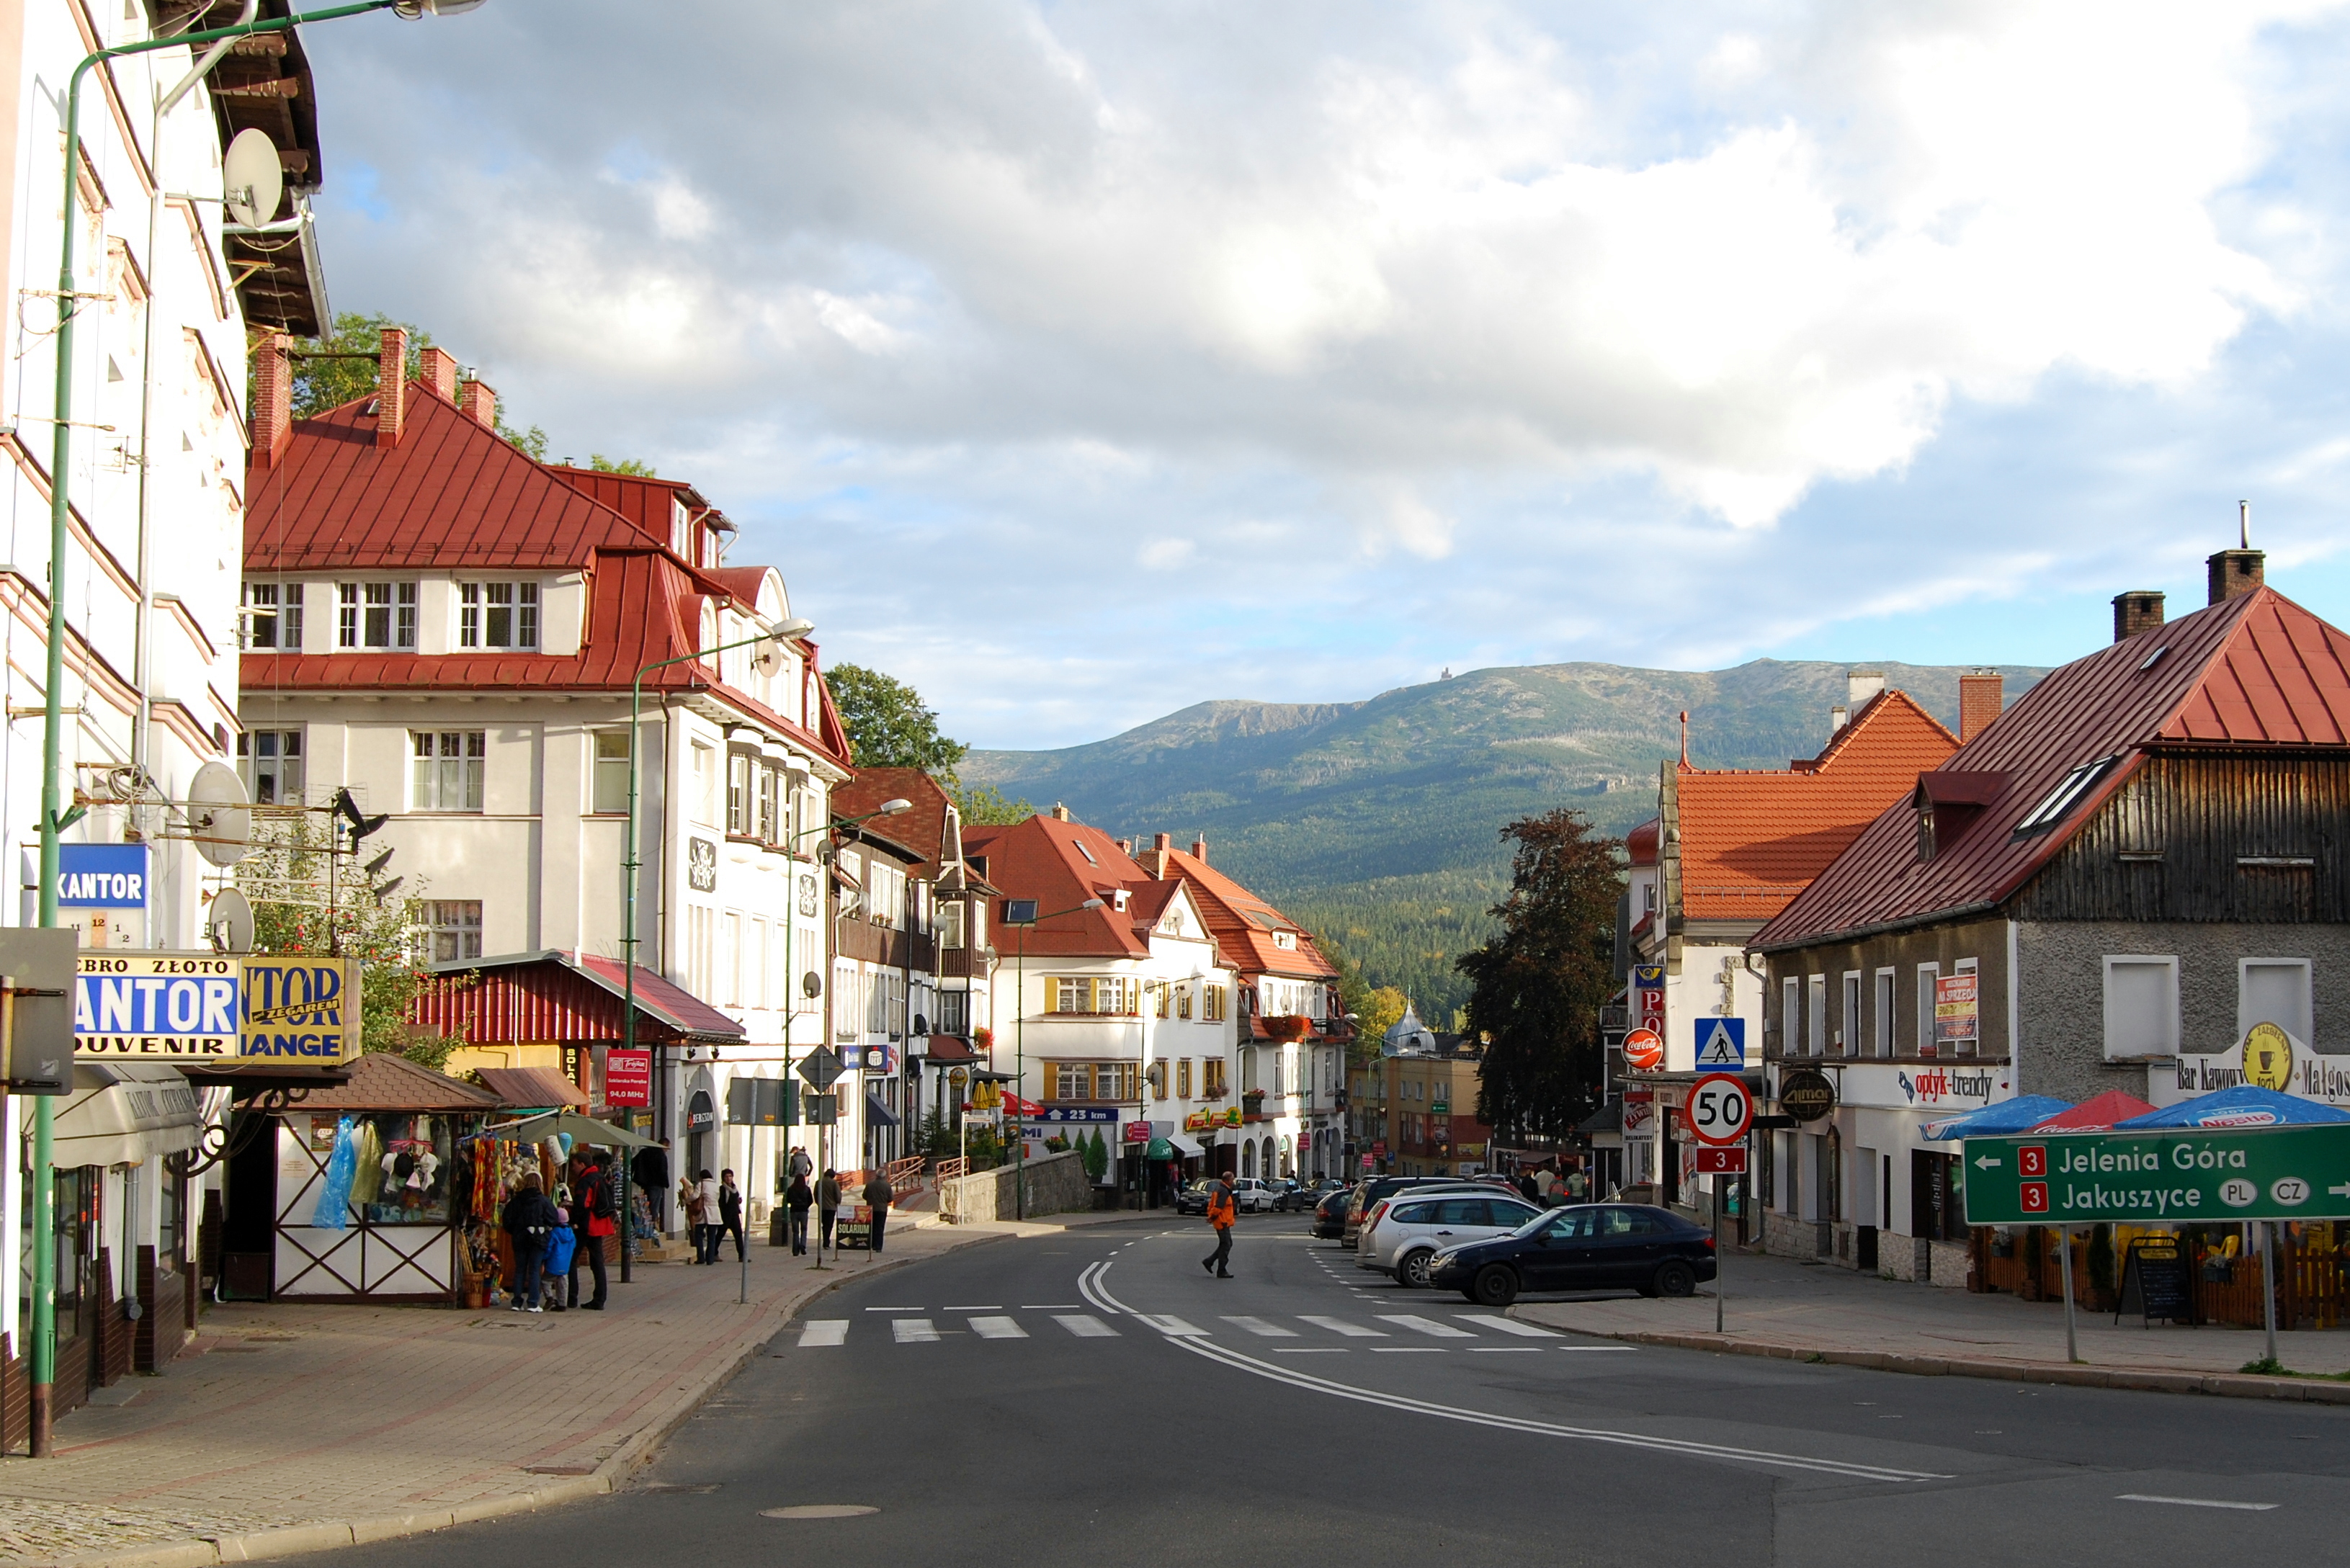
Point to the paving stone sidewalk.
(287, 1428)
(1779, 1307)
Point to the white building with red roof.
(450, 631)
(2140, 863)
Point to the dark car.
(1588, 1247)
(1369, 1190)
(1300, 1196)
(1330, 1215)
(1192, 1198)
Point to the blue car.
(1588, 1247)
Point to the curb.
(2222, 1384)
(635, 1450)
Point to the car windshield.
(1570, 1222)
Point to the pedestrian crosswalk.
(1406, 1333)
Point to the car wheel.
(1411, 1269)
(1675, 1279)
(1496, 1285)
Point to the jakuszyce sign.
(2159, 1178)
(216, 1008)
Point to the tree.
(602, 465)
(1377, 1009)
(1536, 988)
(982, 805)
(322, 384)
(304, 903)
(888, 724)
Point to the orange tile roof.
(1753, 840)
(1230, 909)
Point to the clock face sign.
(807, 896)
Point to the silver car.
(1411, 1228)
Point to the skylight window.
(1085, 851)
(2064, 797)
(2153, 658)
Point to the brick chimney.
(2233, 572)
(391, 387)
(1060, 812)
(1200, 850)
(272, 400)
(441, 372)
(2140, 609)
(479, 402)
(1161, 844)
(1982, 694)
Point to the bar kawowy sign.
(2172, 1176)
(219, 1009)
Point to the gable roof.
(1751, 839)
(2256, 672)
(1243, 924)
(1061, 865)
(924, 829)
(385, 1081)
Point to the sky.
(1078, 363)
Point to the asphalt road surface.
(1095, 1398)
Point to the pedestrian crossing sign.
(1721, 1042)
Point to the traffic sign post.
(1721, 1109)
(1712, 1161)
(1722, 1044)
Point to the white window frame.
(479, 604)
(1791, 1016)
(1887, 988)
(456, 924)
(356, 604)
(1850, 1021)
(607, 766)
(1816, 1021)
(1927, 973)
(286, 782)
(2308, 1020)
(279, 605)
(2166, 1042)
(430, 759)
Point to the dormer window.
(497, 615)
(1285, 940)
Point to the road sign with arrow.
(2213, 1175)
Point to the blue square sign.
(1722, 1044)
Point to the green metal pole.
(1020, 1074)
(44, 1216)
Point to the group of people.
(714, 1212)
(556, 1235)
(1553, 1189)
(823, 1195)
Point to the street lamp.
(774, 637)
(1020, 1033)
(53, 820)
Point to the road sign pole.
(1718, 1283)
(2268, 1285)
(2064, 1266)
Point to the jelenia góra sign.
(2187, 1176)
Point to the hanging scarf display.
(368, 1177)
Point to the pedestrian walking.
(797, 1199)
(827, 1209)
(528, 1221)
(596, 1217)
(801, 1167)
(707, 1227)
(1576, 1185)
(879, 1195)
(1220, 1216)
(1526, 1188)
(729, 1217)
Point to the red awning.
(566, 998)
(950, 1049)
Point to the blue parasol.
(2020, 1113)
(2245, 1105)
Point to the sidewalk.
(1779, 1307)
(287, 1428)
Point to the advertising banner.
(628, 1077)
(1956, 1013)
(218, 1009)
(2268, 1056)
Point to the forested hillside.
(1378, 823)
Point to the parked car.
(1302, 1197)
(1408, 1230)
(1192, 1198)
(1253, 1195)
(1369, 1191)
(1330, 1215)
(1588, 1247)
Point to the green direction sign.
(2184, 1176)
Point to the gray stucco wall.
(2061, 997)
(1985, 942)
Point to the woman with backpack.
(528, 1221)
(595, 1216)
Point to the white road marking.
(1502, 1324)
(1625, 1347)
(897, 1309)
(992, 1306)
(1340, 1326)
(1086, 1327)
(1173, 1327)
(1262, 1329)
(823, 1331)
(1506, 1349)
(1311, 1350)
(996, 1328)
(1679, 1445)
(1052, 1307)
(1407, 1350)
(914, 1330)
(1089, 1285)
(2197, 1502)
(1427, 1325)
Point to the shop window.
(403, 1175)
(171, 1223)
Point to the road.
(1094, 1397)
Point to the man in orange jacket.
(1219, 1215)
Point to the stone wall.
(1057, 1184)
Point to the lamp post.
(887, 808)
(1020, 1033)
(774, 635)
(54, 819)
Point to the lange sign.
(222, 1009)
(2161, 1177)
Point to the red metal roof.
(572, 999)
(1751, 839)
(2254, 672)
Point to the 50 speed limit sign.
(1721, 1109)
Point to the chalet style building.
(450, 631)
(2141, 862)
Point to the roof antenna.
(1684, 737)
(2243, 524)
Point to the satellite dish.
(767, 658)
(220, 819)
(811, 986)
(253, 179)
(232, 921)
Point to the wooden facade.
(2207, 836)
